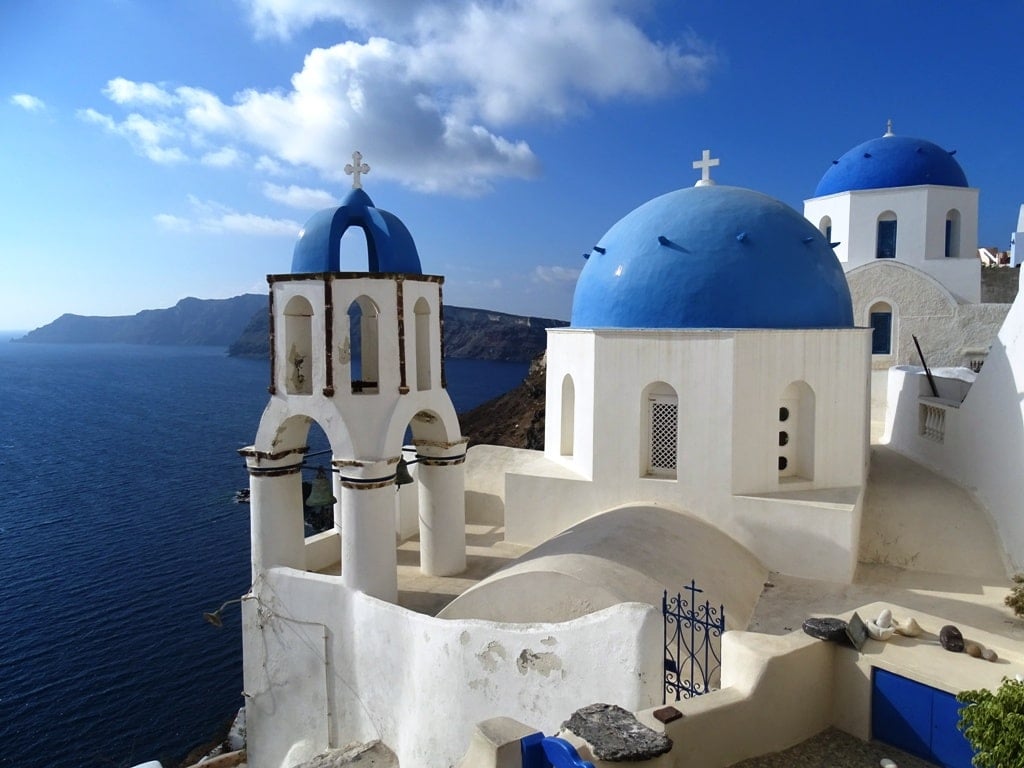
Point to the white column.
(369, 561)
(442, 482)
(275, 508)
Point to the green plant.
(1016, 597)
(994, 724)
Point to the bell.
(320, 495)
(402, 476)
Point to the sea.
(118, 467)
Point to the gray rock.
(826, 629)
(951, 639)
(615, 735)
(371, 755)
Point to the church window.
(952, 234)
(363, 318)
(298, 347)
(422, 312)
(825, 227)
(662, 409)
(886, 241)
(796, 442)
(567, 436)
(880, 317)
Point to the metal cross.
(888, 128)
(706, 163)
(356, 168)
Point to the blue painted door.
(918, 719)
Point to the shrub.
(994, 724)
(1016, 597)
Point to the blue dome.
(389, 246)
(891, 161)
(712, 257)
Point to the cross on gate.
(356, 168)
(705, 164)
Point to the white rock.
(884, 619)
(887, 763)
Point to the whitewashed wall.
(326, 666)
(983, 441)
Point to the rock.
(616, 735)
(371, 755)
(884, 619)
(989, 655)
(908, 628)
(951, 639)
(972, 649)
(826, 629)
(879, 633)
(887, 763)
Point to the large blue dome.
(712, 257)
(891, 161)
(389, 246)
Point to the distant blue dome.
(389, 246)
(891, 161)
(712, 257)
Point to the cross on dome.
(356, 168)
(888, 128)
(706, 163)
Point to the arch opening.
(363, 323)
(885, 240)
(952, 242)
(880, 319)
(298, 344)
(423, 346)
(568, 421)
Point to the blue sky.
(156, 150)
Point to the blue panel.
(562, 754)
(901, 713)
(533, 752)
(881, 333)
(950, 747)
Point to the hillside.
(476, 334)
(198, 322)
(514, 419)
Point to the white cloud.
(28, 102)
(269, 165)
(299, 197)
(213, 217)
(426, 96)
(146, 135)
(122, 91)
(555, 274)
(222, 158)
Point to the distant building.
(904, 224)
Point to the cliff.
(476, 334)
(514, 419)
(198, 322)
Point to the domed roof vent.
(389, 246)
(712, 257)
(892, 161)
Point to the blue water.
(117, 468)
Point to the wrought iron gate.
(693, 644)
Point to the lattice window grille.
(664, 418)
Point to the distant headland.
(240, 324)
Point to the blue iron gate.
(693, 643)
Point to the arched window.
(880, 319)
(568, 424)
(825, 227)
(661, 436)
(363, 318)
(422, 311)
(885, 245)
(796, 432)
(353, 254)
(298, 345)
(953, 234)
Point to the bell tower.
(358, 350)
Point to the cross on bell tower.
(705, 164)
(356, 168)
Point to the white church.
(707, 418)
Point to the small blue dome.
(712, 257)
(389, 246)
(891, 161)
